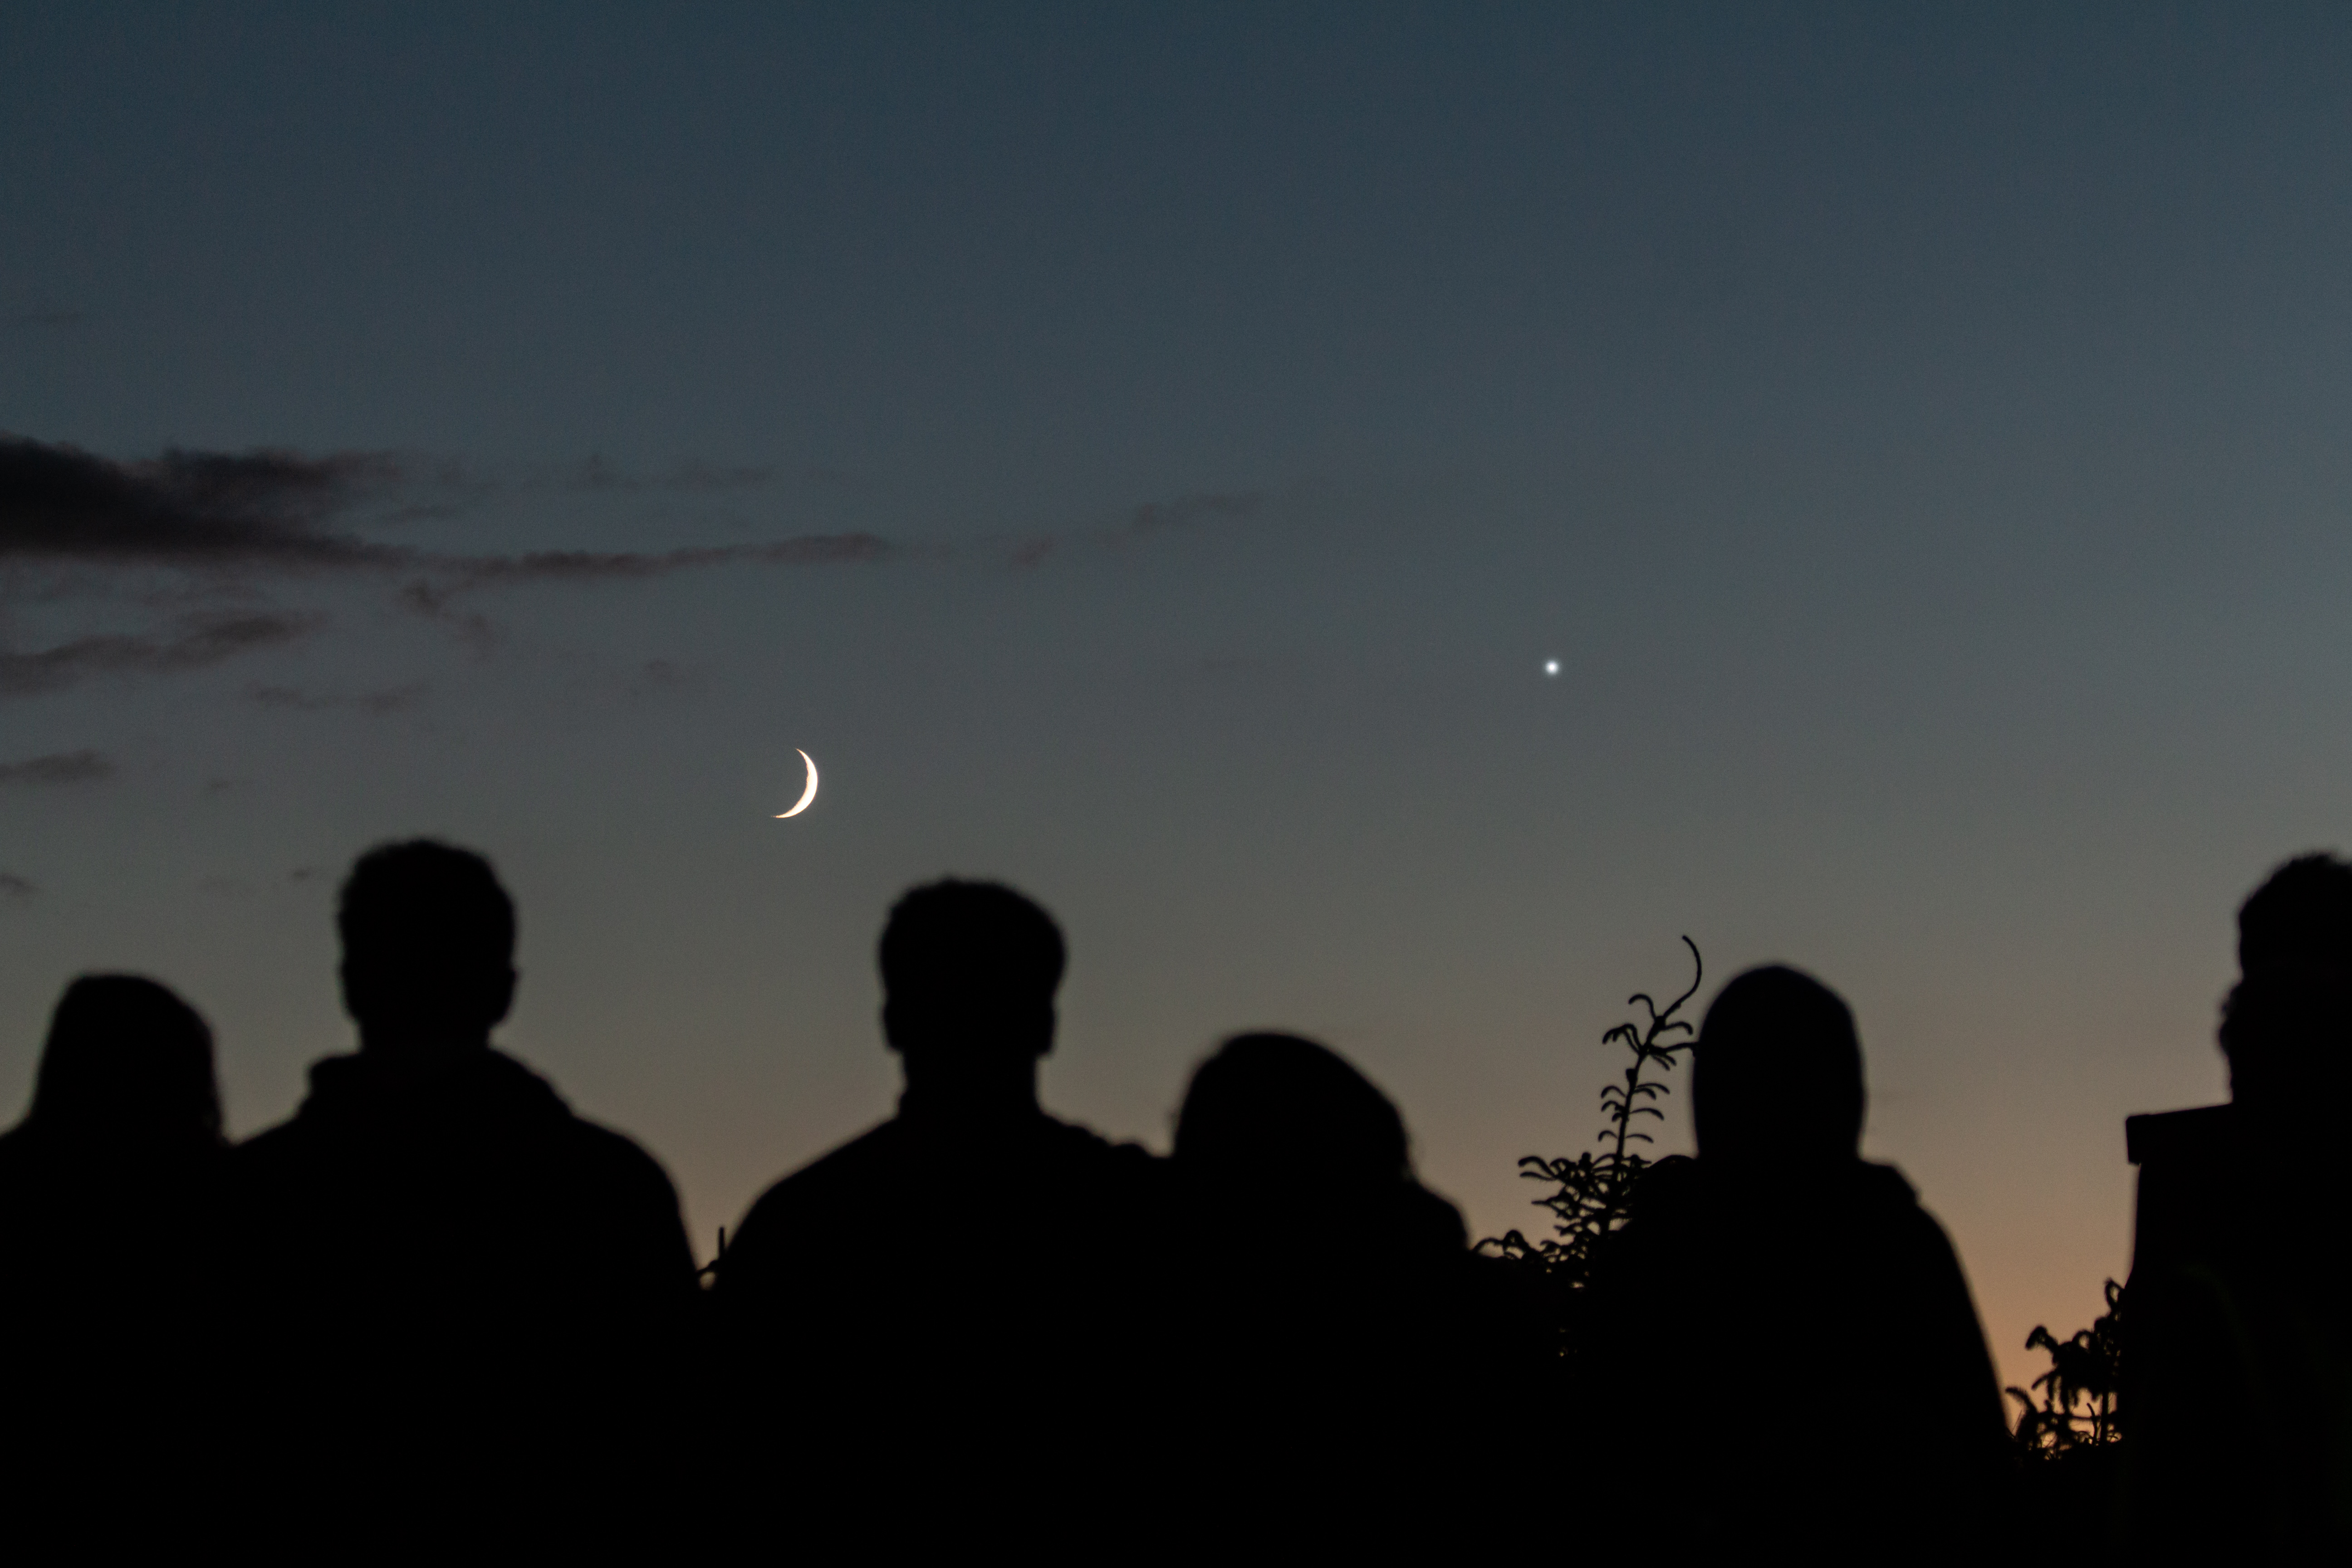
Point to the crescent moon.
(807, 795)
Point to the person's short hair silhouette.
(428, 939)
(968, 1268)
(2284, 1024)
(1736, 1265)
(969, 973)
(2300, 917)
(486, 1285)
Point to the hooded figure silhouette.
(1784, 1318)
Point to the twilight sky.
(1148, 454)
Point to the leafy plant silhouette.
(2077, 1405)
(1590, 1192)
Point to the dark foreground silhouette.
(1783, 1320)
(108, 1203)
(959, 1301)
(455, 1293)
(437, 1306)
(2237, 1391)
(1347, 1372)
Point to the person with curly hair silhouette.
(1346, 1372)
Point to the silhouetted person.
(1782, 1342)
(940, 1319)
(459, 1293)
(1347, 1368)
(2237, 1394)
(107, 1204)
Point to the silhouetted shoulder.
(601, 1152)
(1667, 1188)
(893, 1165)
(474, 1093)
(1427, 1223)
(1117, 1163)
(1883, 1196)
(270, 1160)
(1668, 1202)
(816, 1190)
(264, 1153)
(632, 1202)
(471, 1138)
(623, 1161)
(869, 1228)
(1679, 1189)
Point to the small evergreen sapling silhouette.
(2077, 1403)
(1591, 1190)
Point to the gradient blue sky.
(1918, 433)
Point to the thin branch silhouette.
(1591, 1190)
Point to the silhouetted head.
(125, 1057)
(969, 973)
(2300, 917)
(1777, 1075)
(428, 944)
(1284, 1118)
(2286, 1026)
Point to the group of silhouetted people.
(435, 1304)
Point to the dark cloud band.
(273, 513)
(59, 502)
(272, 509)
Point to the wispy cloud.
(241, 525)
(1184, 509)
(239, 520)
(1152, 518)
(437, 593)
(591, 566)
(60, 768)
(275, 509)
(596, 474)
(15, 887)
(194, 644)
(390, 699)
